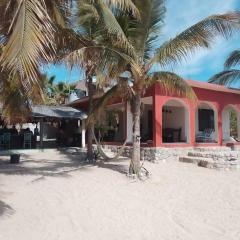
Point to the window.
(206, 119)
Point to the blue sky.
(180, 15)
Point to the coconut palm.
(56, 93)
(144, 36)
(231, 72)
(33, 31)
(101, 33)
(61, 92)
(27, 35)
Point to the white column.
(83, 133)
(41, 133)
(226, 124)
(129, 124)
(216, 117)
(186, 124)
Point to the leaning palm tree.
(144, 36)
(231, 72)
(100, 33)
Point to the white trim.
(186, 117)
(83, 133)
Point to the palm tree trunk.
(90, 127)
(136, 109)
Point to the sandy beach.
(53, 196)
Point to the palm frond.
(226, 77)
(113, 28)
(154, 27)
(121, 89)
(7, 9)
(87, 14)
(143, 33)
(125, 5)
(67, 40)
(60, 86)
(198, 36)
(171, 83)
(29, 42)
(99, 57)
(16, 103)
(233, 59)
(58, 11)
(51, 80)
(83, 57)
(101, 102)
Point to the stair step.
(212, 149)
(222, 155)
(210, 163)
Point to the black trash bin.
(14, 158)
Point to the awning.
(63, 112)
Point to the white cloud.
(184, 13)
(181, 15)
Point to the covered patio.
(47, 127)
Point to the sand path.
(54, 197)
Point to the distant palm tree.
(231, 73)
(56, 93)
(144, 36)
(61, 92)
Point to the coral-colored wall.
(218, 100)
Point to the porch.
(48, 127)
(173, 122)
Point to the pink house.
(171, 121)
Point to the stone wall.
(153, 154)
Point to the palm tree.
(231, 72)
(61, 91)
(33, 31)
(27, 40)
(144, 37)
(100, 33)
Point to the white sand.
(180, 201)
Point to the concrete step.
(197, 160)
(225, 155)
(212, 149)
(210, 163)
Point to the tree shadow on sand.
(5, 209)
(119, 165)
(65, 162)
(44, 166)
